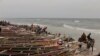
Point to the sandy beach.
(47, 36)
(49, 27)
(76, 34)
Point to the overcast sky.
(50, 8)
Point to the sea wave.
(82, 29)
(41, 25)
(68, 26)
(76, 21)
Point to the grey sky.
(50, 8)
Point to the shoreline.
(74, 34)
(70, 32)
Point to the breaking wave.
(68, 26)
(82, 29)
(76, 21)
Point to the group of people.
(4, 23)
(37, 29)
(40, 30)
(87, 40)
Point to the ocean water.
(90, 25)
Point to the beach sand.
(74, 33)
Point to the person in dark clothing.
(69, 39)
(89, 37)
(91, 42)
(38, 30)
(0, 29)
(44, 29)
(83, 38)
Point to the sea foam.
(76, 21)
(81, 29)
